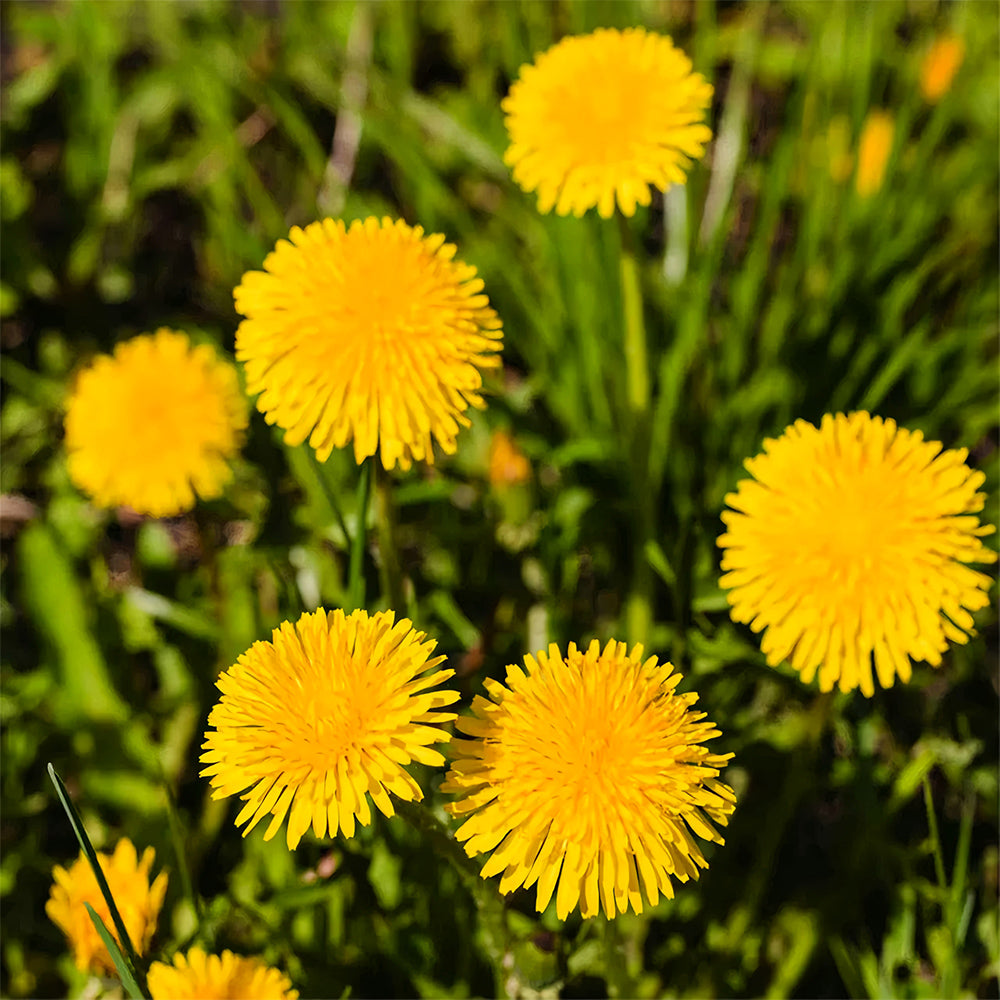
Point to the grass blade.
(121, 963)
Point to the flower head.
(328, 712)
(938, 69)
(154, 424)
(601, 117)
(851, 544)
(197, 976)
(372, 332)
(588, 771)
(508, 465)
(874, 148)
(137, 901)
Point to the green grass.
(154, 152)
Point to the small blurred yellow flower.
(838, 152)
(874, 148)
(372, 332)
(154, 424)
(587, 771)
(851, 544)
(599, 118)
(326, 714)
(138, 903)
(508, 465)
(197, 976)
(938, 69)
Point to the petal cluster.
(323, 717)
(851, 546)
(198, 976)
(154, 424)
(598, 119)
(138, 902)
(372, 333)
(586, 774)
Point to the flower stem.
(639, 606)
(385, 520)
(616, 973)
(356, 577)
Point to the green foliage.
(154, 152)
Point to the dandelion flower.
(327, 713)
(938, 69)
(874, 148)
(373, 333)
(851, 544)
(588, 771)
(138, 903)
(154, 424)
(508, 465)
(599, 118)
(197, 976)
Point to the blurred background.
(837, 249)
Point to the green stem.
(385, 520)
(492, 914)
(323, 478)
(616, 974)
(356, 578)
(639, 606)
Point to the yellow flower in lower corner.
(599, 118)
(373, 333)
(588, 771)
(137, 900)
(197, 976)
(154, 424)
(326, 714)
(851, 544)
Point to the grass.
(154, 152)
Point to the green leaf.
(121, 965)
(91, 855)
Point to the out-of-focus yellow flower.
(197, 976)
(874, 148)
(154, 424)
(851, 548)
(138, 903)
(372, 332)
(938, 69)
(838, 149)
(509, 465)
(599, 118)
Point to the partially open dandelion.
(939, 66)
(600, 118)
(874, 148)
(197, 976)
(372, 333)
(587, 772)
(138, 903)
(154, 424)
(326, 714)
(850, 545)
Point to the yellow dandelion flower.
(372, 332)
(599, 118)
(587, 771)
(197, 976)
(874, 148)
(326, 714)
(508, 465)
(154, 424)
(138, 903)
(939, 66)
(851, 544)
